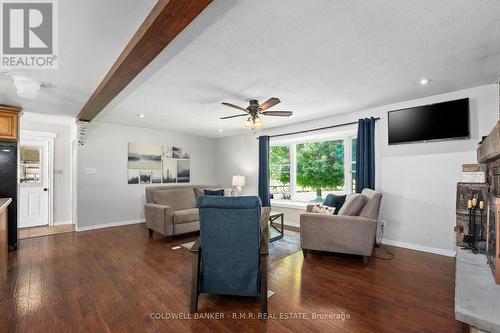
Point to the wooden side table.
(273, 217)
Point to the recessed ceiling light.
(220, 130)
(6, 150)
(140, 115)
(424, 81)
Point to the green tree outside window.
(320, 165)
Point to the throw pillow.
(219, 193)
(353, 204)
(322, 209)
(336, 201)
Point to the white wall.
(62, 126)
(418, 180)
(105, 197)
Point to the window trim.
(346, 136)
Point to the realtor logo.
(29, 34)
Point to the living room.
(350, 157)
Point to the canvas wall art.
(157, 164)
(133, 176)
(156, 177)
(145, 177)
(176, 152)
(169, 170)
(183, 171)
(144, 157)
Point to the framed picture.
(144, 157)
(156, 177)
(144, 177)
(168, 152)
(183, 171)
(176, 152)
(157, 164)
(169, 170)
(133, 176)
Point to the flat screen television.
(441, 121)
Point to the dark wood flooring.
(114, 279)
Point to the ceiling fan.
(255, 110)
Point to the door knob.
(45, 189)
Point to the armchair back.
(372, 206)
(230, 234)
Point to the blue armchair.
(231, 255)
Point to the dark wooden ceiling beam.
(166, 20)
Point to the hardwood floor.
(115, 279)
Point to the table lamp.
(239, 181)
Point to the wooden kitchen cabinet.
(9, 123)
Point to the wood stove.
(492, 237)
(488, 154)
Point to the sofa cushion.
(353, 205)
(198, 192)
(336, 201)
(179, 199)
(186, 215)
(372, 207)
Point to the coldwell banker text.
(29, 34)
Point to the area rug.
(279, 249)
(284, 247)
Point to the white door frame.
(43, 136)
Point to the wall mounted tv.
(441, 121)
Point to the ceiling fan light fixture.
(258, 124)
(247, 123)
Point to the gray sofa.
(171, 210)
(352, 231)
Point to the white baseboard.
(421, 248)
(110, 224)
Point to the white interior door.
(33, 183)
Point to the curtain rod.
(316, 129)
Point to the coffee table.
(273, 229)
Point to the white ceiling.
(319, 57)
(92, 34)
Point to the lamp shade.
(238, 180)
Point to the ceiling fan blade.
(277, 113)
(269, 103)
(238, 115)
(234, 106)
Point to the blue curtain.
(264, 170)
(365, 155)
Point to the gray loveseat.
(352, 231)
(171, 210)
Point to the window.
(279, 168)
(29, 165)
(306, 171)
(320, 168)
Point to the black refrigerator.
(8, 187)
